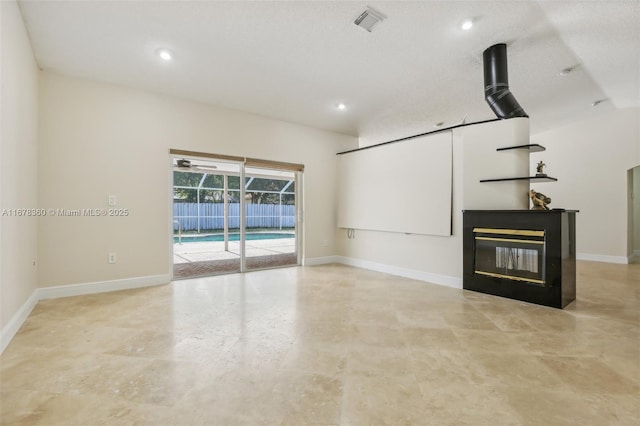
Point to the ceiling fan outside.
(187, 165)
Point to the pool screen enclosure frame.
(244, 170)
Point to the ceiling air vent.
(369, 19)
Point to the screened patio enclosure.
(198, 202)
(221, 226)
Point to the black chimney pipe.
(496, 83)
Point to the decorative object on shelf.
(539, 177)
(539, 200)
(540, 169)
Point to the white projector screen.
(398, 187)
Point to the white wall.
(590, 158)
(18, 159)
(99, 139)
(439, 259)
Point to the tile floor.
(328, 345)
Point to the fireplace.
(515, 254)
(521, 254)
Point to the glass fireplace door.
(515, 254)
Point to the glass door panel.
(270, 225)
(206, 217)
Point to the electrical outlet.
(112, 258)
(112, 200)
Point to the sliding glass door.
(270, 218)
(229, 217)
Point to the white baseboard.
(43, 293)
(445, 280)
(10, 330)
(101, 286)
(313, 261)
(602, 258)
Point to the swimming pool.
(234, 237)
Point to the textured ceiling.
(296, 60)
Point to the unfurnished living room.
(320, 212)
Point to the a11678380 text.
(100, 212)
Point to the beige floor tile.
(469, 320)
(549, 343)
(39, 408)
(325, 345)
(421, 319)
(433, 339)
(452, 404)
(376, 335)
(309, 399)
(334, 332)
(435, 369)
(627, 367)
(375, 400)
(238, 396)
(586, 374)
(385, 361)
(368, 316)
(320, 358)
(483, 341)
(518, 370)
(551, 407)
(509, 321)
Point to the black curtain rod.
(422, 134)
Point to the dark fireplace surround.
(526, 255)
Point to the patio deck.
(198, 259)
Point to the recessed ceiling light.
(569, 70)
(164, 54)
(565, 72)
(467, 24)
(341, 106)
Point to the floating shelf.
(529, 178)
(533, 147)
